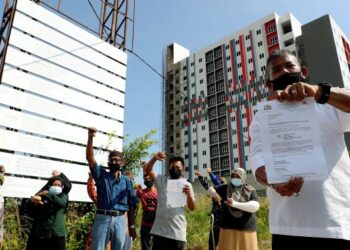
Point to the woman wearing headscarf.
(49, 206)
(238, 222)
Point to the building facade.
(209, 95)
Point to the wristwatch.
(325, 92)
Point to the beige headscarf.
(240, 194)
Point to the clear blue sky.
(194, 24)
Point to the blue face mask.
(55, 190)
(236, 182)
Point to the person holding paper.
(174, 193)
(315, 212)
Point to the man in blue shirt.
(115, 197)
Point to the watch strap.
(326, 91)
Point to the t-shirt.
(148, 199)
(170, 222)
(246, 222)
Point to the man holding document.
(174, 193)
(297, 148)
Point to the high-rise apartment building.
(210, 95)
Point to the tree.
(137, 150)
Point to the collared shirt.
(322, 207)
(113, 193)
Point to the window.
(250, 60)
(227, 46)
(204, 152)
(258, 32)
(200, 70)
(186, 144)
(237, 42)
(228, 58)
(273, 40)
(194, 154)
(200, 81)
(192, 74)
(204, 139)
(238, 53)
(272, 28)
(203, 127)
(200, 60)
(194, 142)
(247, 37)
(184, 68)
(261, 55)
(249, 48)
(194, 130)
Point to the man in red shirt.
(148, 197)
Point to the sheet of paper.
(291, 142)
(175, 196)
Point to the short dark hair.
(115, 153)
(177, 158)
(276, 54)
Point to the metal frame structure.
(5, 30)
(113, 23)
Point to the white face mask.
(55, 190)
(236, 182)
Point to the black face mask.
(283, 81)
(148, 183)
(113, 167)
(174, 173)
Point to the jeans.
(108, 227)
(145, 237)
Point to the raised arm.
(90, 150)
(214, 178)
(160, 156)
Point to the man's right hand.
(197, 173)
(160, 156)
(92, 132)
(209, 171)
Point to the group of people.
(302, 212)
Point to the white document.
(291, 142)
(175, 195)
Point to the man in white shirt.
(169, 227)
(312, 213)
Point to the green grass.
(80, 215)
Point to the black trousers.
(145, 237)
(162, 243)
(286, 242)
